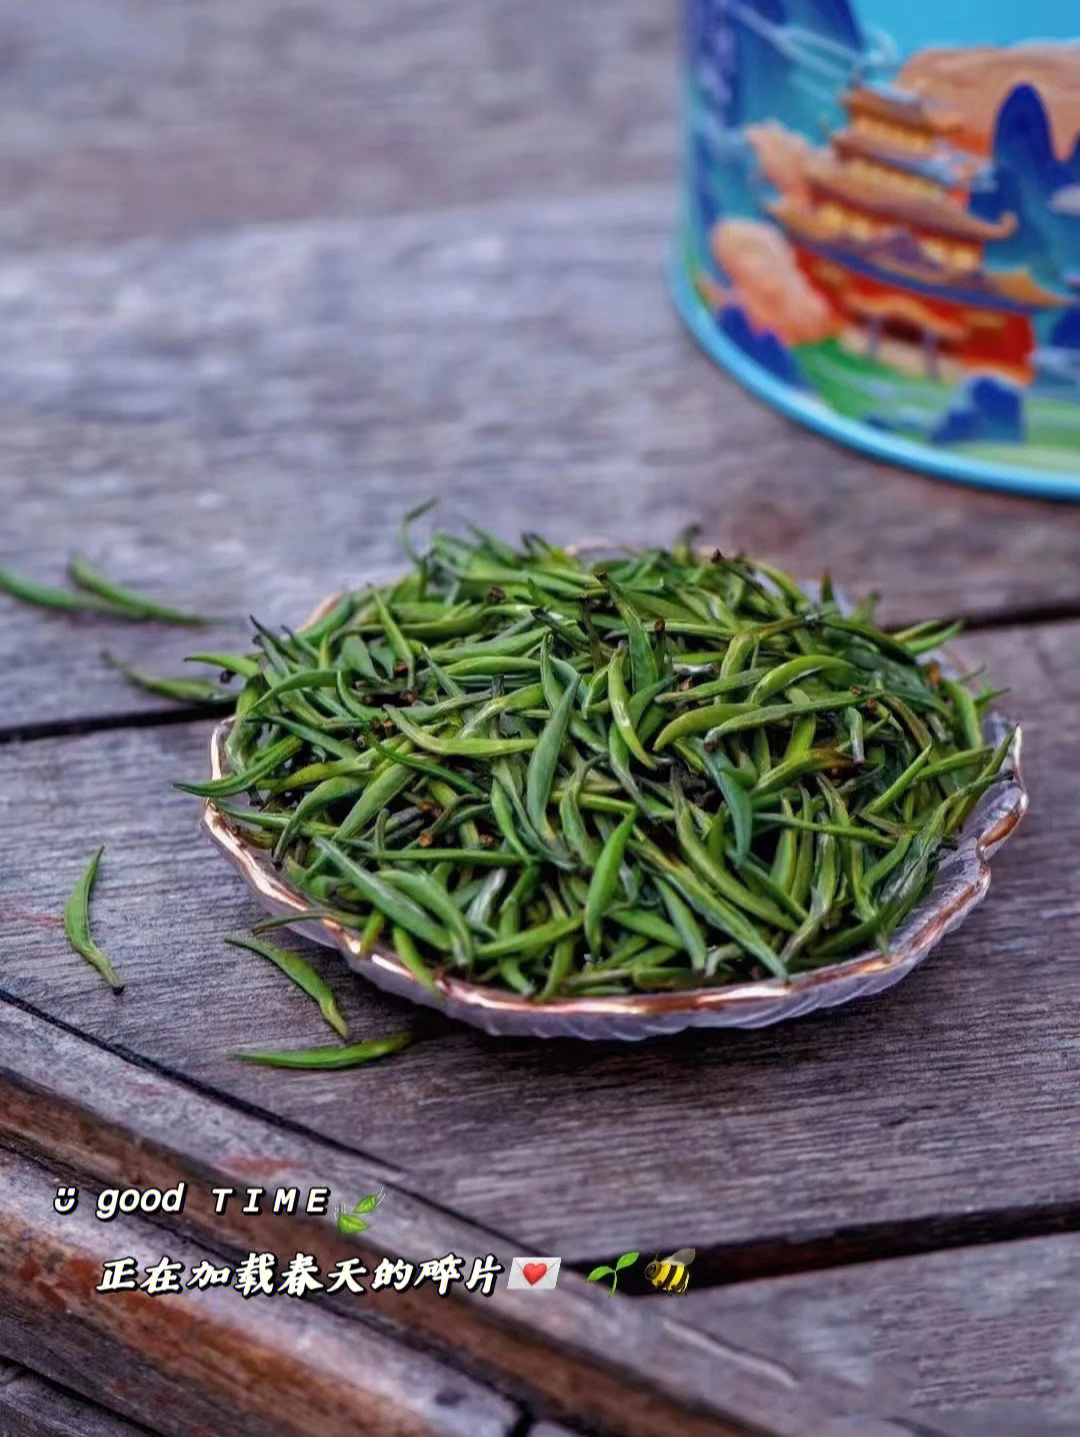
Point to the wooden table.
(271, 276)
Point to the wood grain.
(121, 119)
(233, 412)
(991, 1332)
(278, 1367)
(939, 1101)
(239, 421)
(102, 1121)
(33, 1407)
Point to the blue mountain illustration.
(1027, 175)
(1065, 333)
(761, 60)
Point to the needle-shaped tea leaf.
(301, 973)
(135, 605)
(545, 756)
(351, 1055)
(77, 924)
(180, 690)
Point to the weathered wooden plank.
(103, 1121)
(939, 1101)
(240, 421)
(282, 1367)
(118, 120)
(990, 1332)
(32, 1407)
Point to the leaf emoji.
(627, 1260)
(369, 1203)
(604, 1271)
(347, 1222)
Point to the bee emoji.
(673, 1273)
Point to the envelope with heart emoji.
(533, 1274)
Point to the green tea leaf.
(349, 1223)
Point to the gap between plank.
(1022, 616)
(102, 723)
(717, 1266)
(558, 1376)
(728, 1265)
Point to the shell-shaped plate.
(962, 879)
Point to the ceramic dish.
(962, 880)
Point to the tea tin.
(881, 224)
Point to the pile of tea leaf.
(571, 778)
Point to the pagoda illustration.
(883, 230)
